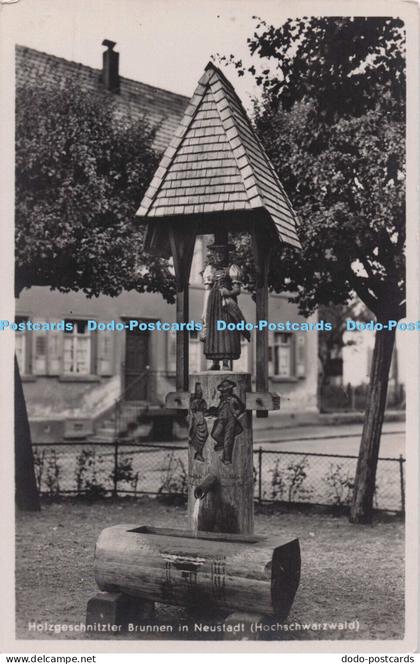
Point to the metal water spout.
(208, 484)
(200, 492)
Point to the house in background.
(357, 362)
(75, 381)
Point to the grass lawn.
(349, 573)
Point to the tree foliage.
(81, 171)
(332, 119)
(344, 64)
(351, 208)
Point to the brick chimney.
(110, 60)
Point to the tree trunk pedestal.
(220, 447)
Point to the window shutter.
(40, 351)
(55, 351)
(171, 352)
(300, 356)
(20, 351)
(105, 352)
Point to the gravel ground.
(349, 573)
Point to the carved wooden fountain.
(214, 179)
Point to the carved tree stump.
(220, 447)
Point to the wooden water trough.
(225, 572)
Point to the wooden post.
(116, 470)
(226, 454)
(182, 247)
(182, 340)
(262, 255)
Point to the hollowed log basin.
(207, 570)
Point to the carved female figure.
(222, 304)
(198, 431)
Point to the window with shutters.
(195, 352)
(300, 355)
(39, 364)
(55, 351)
(282, 355)
(77, 349)
(105, 353)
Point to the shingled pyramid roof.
(215, 163)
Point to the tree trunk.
(364, 487)
(216, 571)
(26, 492)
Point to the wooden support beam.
(182, 340)
(182, 241)
(262, 248)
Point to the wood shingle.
(216, 163)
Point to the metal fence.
(101, 469)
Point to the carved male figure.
(227, 425)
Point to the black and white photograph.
(213, 271)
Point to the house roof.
(216, 163)
(162, 109)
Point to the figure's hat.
(225, 385)
(214, 171)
